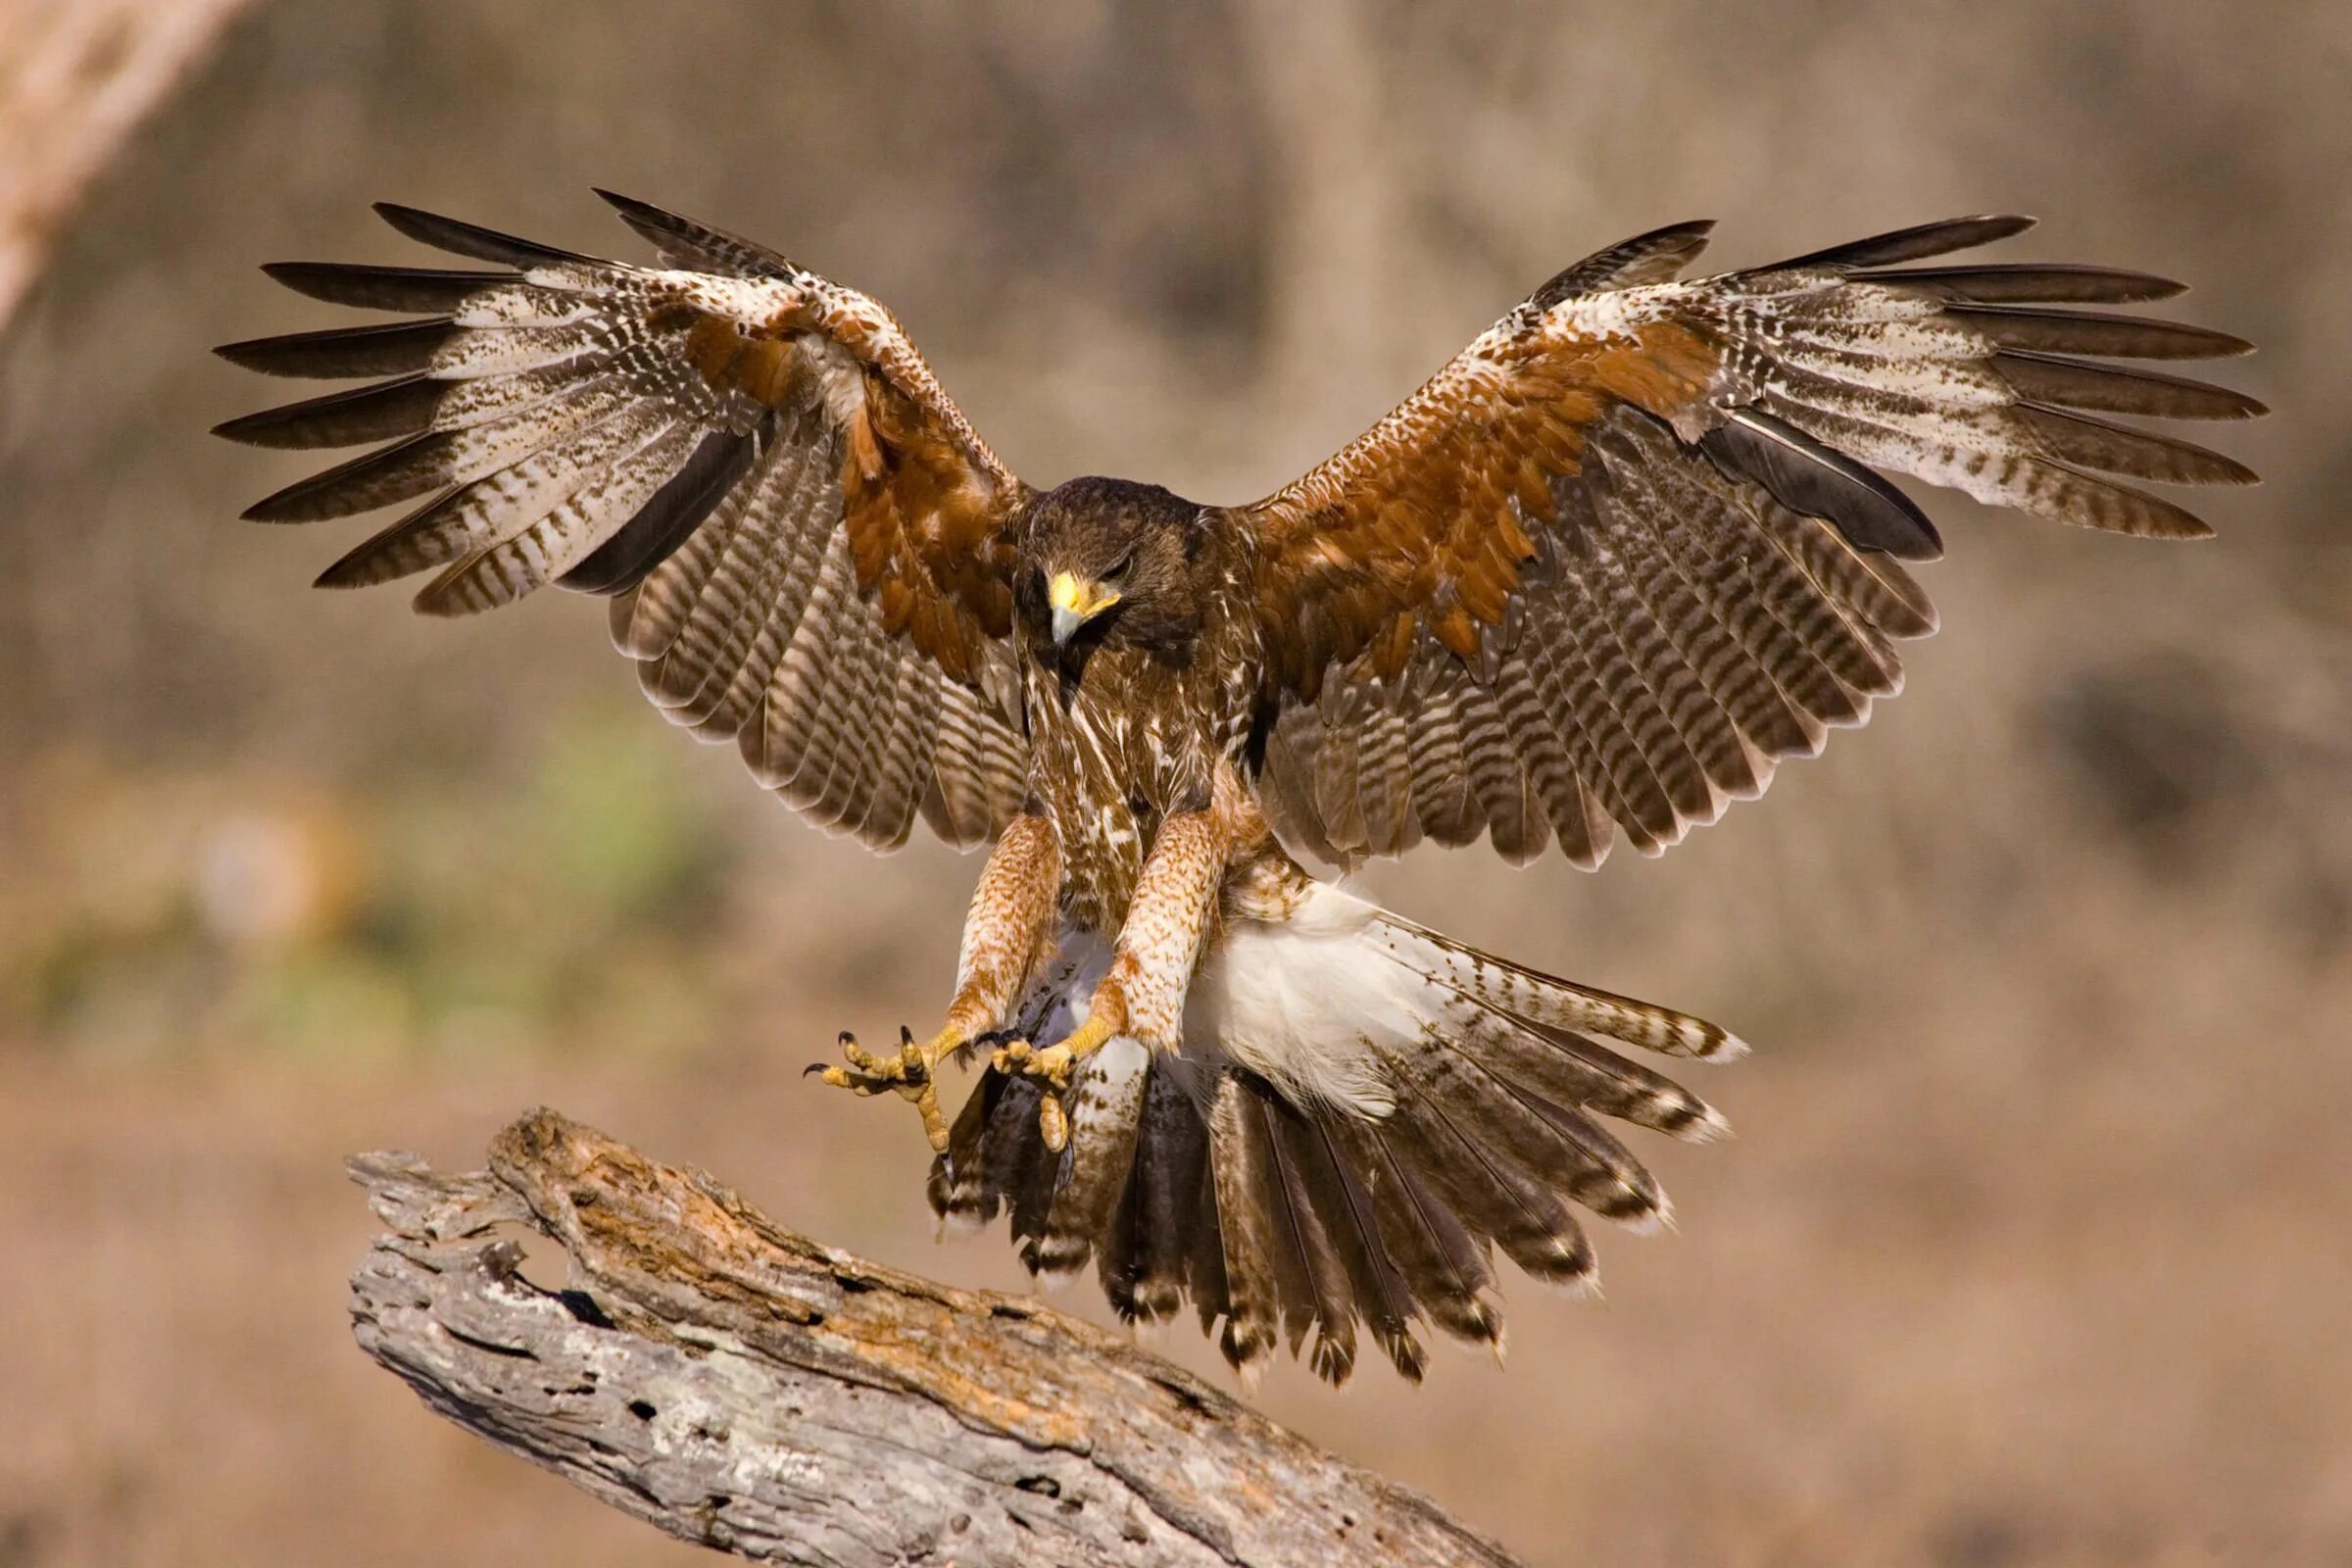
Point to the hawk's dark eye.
(1117, 575)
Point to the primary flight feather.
(1608, 567)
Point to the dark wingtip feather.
(404, 470)
(2033, 283)
(342, 353)
(384, 412)
(684, 242)
(1916, 243)
(631, 208)
(2114, 389)
(462, 238)
(420, 289)
(2097, 333)
(646, 220)
(2085, 442)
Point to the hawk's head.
(1110, 563)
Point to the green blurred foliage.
(430, 914)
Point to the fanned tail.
(1364, 1113)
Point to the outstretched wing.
(1627, 551)
(806, 546)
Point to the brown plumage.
(1603, 571)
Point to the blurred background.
(2033, 1248)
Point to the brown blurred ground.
(2034, 1249)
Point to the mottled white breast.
(1131, 743)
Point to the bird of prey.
(1598, 576)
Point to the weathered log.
(741, 1386)
(74, 80)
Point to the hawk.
(1598, 576)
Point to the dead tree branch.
(741, 1386)
(75, 79)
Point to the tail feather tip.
(1583, 1287)
(1052, 1275)
(1650, 1219)
(1722, 1046)
(1707, 1126)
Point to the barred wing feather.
(805, 546)
(1631, 547)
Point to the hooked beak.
(1076, 603)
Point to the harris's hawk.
(1626, 552)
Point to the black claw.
(812, 1069)
(906, 1036)
(846, 1039)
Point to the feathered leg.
(1007, 933)
(1142, 996)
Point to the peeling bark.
(742, 1386)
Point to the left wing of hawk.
(805, 544)
(1627, 551)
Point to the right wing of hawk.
(805, 545)
(1627, 551)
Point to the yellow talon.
(1056, 1065)
(909, 1074)
(1081, 1042)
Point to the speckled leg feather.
(1141, 998)
(1008, 931)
